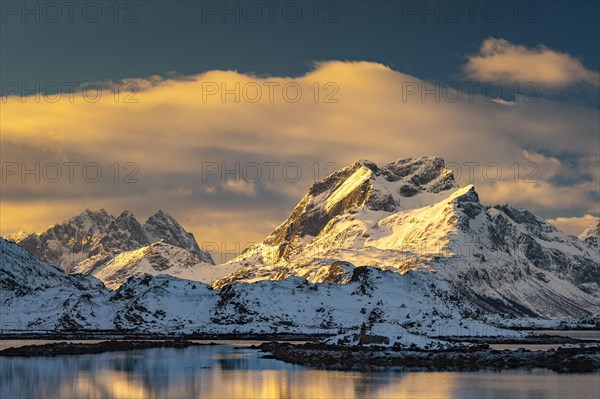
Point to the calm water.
(224, 372)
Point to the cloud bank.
(193, 147)
(502, 62)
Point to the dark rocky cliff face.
(309, 217)
(519, 232)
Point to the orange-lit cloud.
(346, 111)
(573, 225)
(502, 62)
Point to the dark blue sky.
(190, 36)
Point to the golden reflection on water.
(316, 384)
(224, 372)
(219, 383)
(104, 384)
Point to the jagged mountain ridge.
(87, 242)
(411, 215)
(363, 184)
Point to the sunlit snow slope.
(411, 215)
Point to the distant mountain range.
(116, 248)
(400, 244)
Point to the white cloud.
(170, 132)
(503, 102)
(240, 187)
(502, 62)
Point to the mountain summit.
(411, 216)
(395, 187)
(85, 243)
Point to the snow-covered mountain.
(55, 301)
(21, 273)
(34, 293)
(397, 187)
(591, 234)
(87, 242)
(411, 215)
(397, 246)
(159, 258)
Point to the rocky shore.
(64, 348)
(137, 336)
(569, 358)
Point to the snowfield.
(164, 304)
